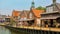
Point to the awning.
(26, 19)
(50, 17)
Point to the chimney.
(54, 1)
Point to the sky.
(7, 6)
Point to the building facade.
(28, 17)
(2, 18)
(51, 18)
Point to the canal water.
(4, 30)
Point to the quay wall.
(32, 31)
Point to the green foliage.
(41, 8)
(12, 21)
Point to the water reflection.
(4, 30)
(17, 32)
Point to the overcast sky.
(7, 6)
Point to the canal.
(4, 30)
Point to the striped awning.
(50, 17)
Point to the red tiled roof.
(37, 13)
(16, 13)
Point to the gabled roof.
(24, 13)
(16, 13)
(57, 6)
(37, 13)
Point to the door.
(51, 23)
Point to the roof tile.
(37, 13)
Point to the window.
(49, 9)
(30, 15)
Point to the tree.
(12, 22)
(41, 8)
